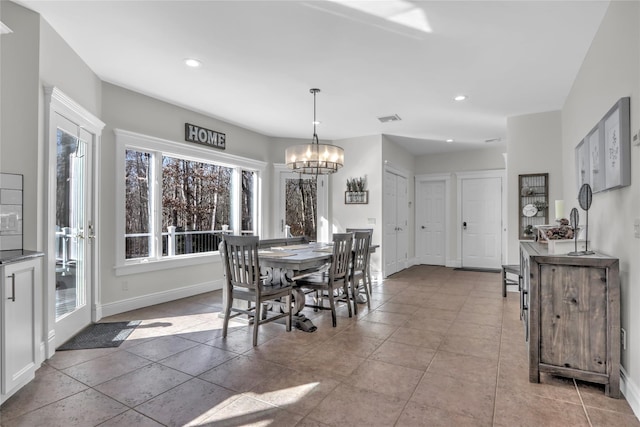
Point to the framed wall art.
(582, 163)
(596, 159)
(603, 158)
(617, 145)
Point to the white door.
(395, 223)
(481, 223)
(303, 201)
(430, 222)
(71, 226)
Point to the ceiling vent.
(386, 119)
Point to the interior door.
(430, 222)
(72, 227)
(396, 220)
(481, 223)
(390, 225)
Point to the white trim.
(147, 300)
(127, 139)
(388, 166)
(167, 263)
(631, 391)
(436, 177)
(491, 173)
(195, 152)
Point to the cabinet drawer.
(573, 317)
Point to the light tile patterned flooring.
(440, 347)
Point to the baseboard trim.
(630, 391)
(117, 307)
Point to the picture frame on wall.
(617, 143)
(603, 157)
(582, 163)
(596, 159)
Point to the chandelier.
(314, 158)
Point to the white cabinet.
(20, 324)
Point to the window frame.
(158, 147)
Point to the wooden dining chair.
(244, 282)
(360, 267)
(332, 284)
(368, 271)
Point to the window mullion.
(156, 194)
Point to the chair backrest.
(242, 266)
(361, 244)
(353, 230)
(342, 245)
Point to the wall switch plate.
(372, 221)
(636, 228)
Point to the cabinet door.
(573, 317)
(18, 324)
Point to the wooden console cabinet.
(571, 312)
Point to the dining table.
(284, 264)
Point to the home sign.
(200, 135)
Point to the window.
(178, 200)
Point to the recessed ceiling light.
(193, 63)
(460, 98)
(317, 122)
(449, 140)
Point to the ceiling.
(369, 58)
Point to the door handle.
(464, 225)
(423, 227)
(13, 287)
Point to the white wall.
(19, 126)
(534, 145)
(363, 158)
(611, 70)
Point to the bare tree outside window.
(137, 202)
(248, 183)
(196, 200)
(301, 206)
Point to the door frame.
(322, 221)
(57, 102)
(435, 177)
(492, 173)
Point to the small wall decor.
(356, 192)
(603, 157)
(208, 137)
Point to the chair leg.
(333, 306)
(355, 287)
(366, 289)
(345, 289)
(504, 283)
(227, 314)
(256, 322)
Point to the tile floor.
(439, 347)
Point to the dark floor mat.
(101, 335)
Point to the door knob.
(423, 227)
(464, 225)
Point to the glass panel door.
(72, 229)
(300, 205)
(70, 223)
